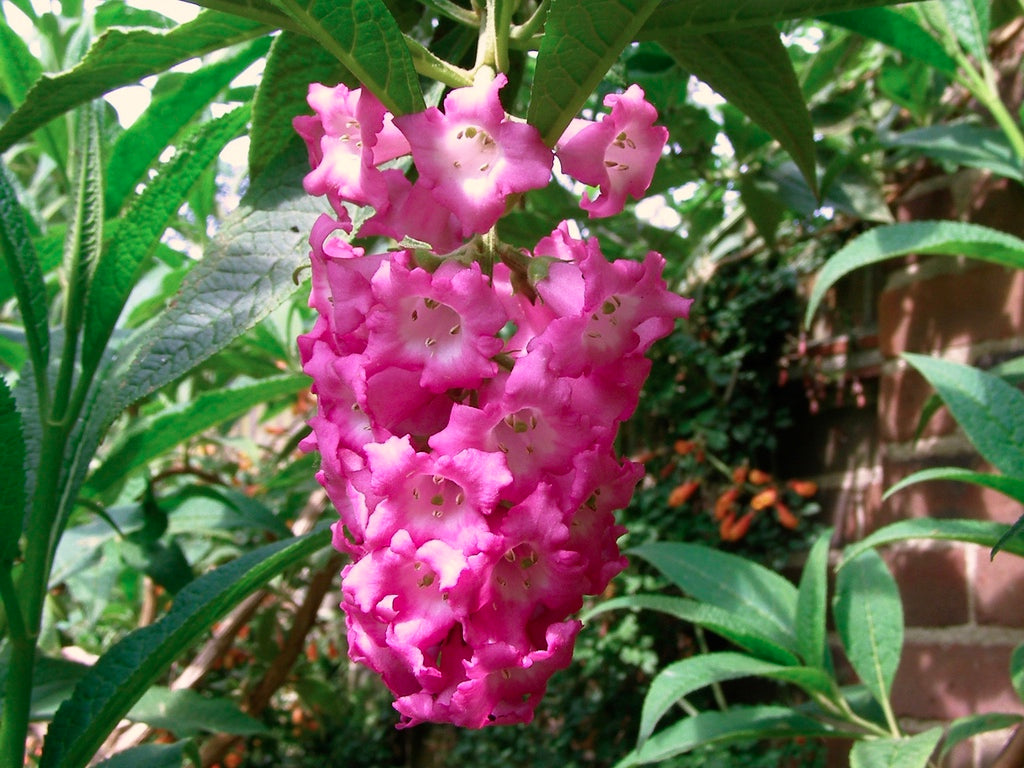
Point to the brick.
(942, 681)
(998, 585)
(901, 398)
(981, 303)
(933, 584)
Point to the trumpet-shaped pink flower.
(617, 154)
(472, 157)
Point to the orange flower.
(725, 503)
(786, 518)
(757, 477)
(684, 447)
(739, 475)
(805, 488)
(682, 493)
(764, 499)
(734, 530)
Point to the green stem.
(454, 12)
(436, 68)
(716, 688)
(532, 25)
(982, 86)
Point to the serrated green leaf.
(123, 57)
(123, 674)
(971, 22)
(582, 39)
(688, 17)
(143, 224)
(739, 724)
(869, 618)
(682, 678)
(204, 507)
(153, 437)
(968, 727)
(291, 66)
(23, 269)
(950, 238)
(262, 11)
(990, 411)
(142, 143)
(188, 713)
(812, 605)
(975, 146)
(154, 756)
(984, 533)
(1011, 371)
(906, 752)
(895, 29)
(729, 582)
(732, 626)
(752, 70)
(12, 469)
(366, 39)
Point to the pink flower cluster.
(466, 416)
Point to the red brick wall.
(964, 613)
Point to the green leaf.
(968, 727)
(154, 756)
(291, 66)
(869, 617)
(12, 469)
(752, 70)
(906, 752)
(971, 22)
(890, 26)
(23, 268)
(682, 678)
(188, 713)
(53, 680)
(990, 411)
(366, 39)
(1017, 670)
(730, 582)
(109, 689)
(984, 533)
(200, 508)
(950, 238)
(139, 146)
(123, 57)
(738, 724)
(154, 437)
(689, 17)
(812, 605)
(142, 226)
(975, 146)
(582, 39)
(734, 627)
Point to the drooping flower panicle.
(466, 425)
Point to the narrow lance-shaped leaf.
(971, 22)
(141, 144)
(366, 39)
(12, 469)
(292, 65)
(120, 677)
(168, 429)
(730, 582)
(23, 268)
(812, 605)
(889, 26)
(682, 678)
(906, 752)
(984, 533)
(949, 238)
(123, 57)
(142, 226)
(751, 69)
(988, 409)
(975, 146)
(730, 625)
(969, 726)
(869, 617)
(582, 39)
(688, 17)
